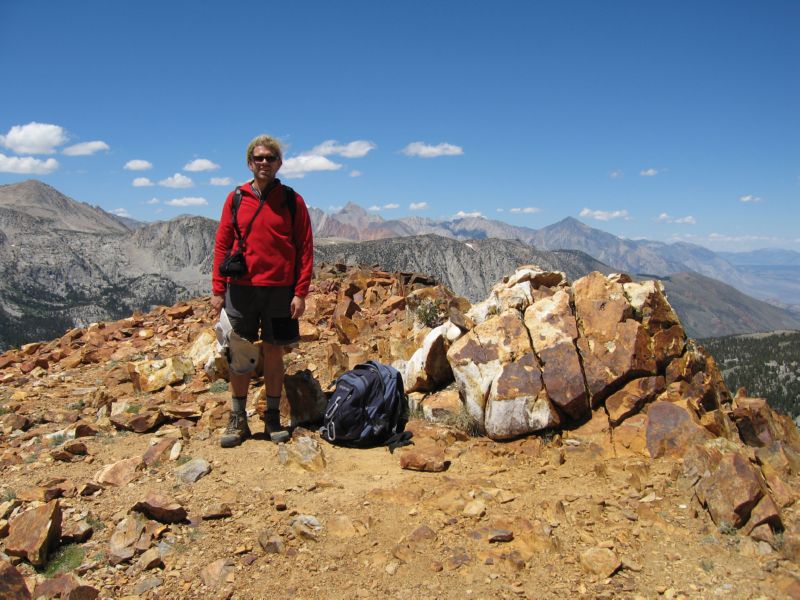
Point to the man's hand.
(217, 302)
(298, 307)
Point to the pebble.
(391, 568)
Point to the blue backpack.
(368, 407)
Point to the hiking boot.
(273, 428)
(236, 432)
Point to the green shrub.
(218, 387)
(428, 313)
(726, 528)
(66, 558)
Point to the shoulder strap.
(290, 197)
(237, 200)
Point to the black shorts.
(253, 307)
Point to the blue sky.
(669, 121)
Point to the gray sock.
(239, 404)
(273, 402)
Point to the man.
(270, 297)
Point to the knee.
(242, 355)
(272, 353)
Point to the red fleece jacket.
(274, 250)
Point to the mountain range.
(65, 263)
(770, 275)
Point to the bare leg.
(273, 369)
(273, 385)
(239, 385)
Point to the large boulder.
(478, 358)
(614, 346)
(553, 332)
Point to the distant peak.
(570, 222)
(352, 207)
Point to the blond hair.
(268, 142)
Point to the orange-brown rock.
(346, 307)
(161, 507)
(119, 473)
(477, 359)
(730, 491)
(518, 403)
(630, 437)
(12, 583)
(154, 375)
(133, 534)
(553, 332)
(759, 425)
(672, 430)
(158, 451)
(346, 330)
(65, 586)
(218, 573)
(614, 346)
(393, 303)
(594, 435)
(629, 400)
(34, 533)
(425, 455)
(766, 512)
(142, 422)
(180, 311)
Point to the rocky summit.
(569, 440)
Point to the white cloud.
(121, 212)
(465, 215)
(375, 207)
(615, 174)
(200, 164)
(220, 181)
(749, 198)
(424, 150)
(27, 165)
(189, 201)
(142, 182)
(138, 164)
(651, 172)
(34, 138)
(687, 220)
(355, 173)
(418, 205)
(298, 167)
(85, 148)
(526, 210)
(605, 215)
(356, 149)
(177, 181)
(153, 201)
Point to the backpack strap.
(237, 200)
(290, 197)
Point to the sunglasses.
(270, 158)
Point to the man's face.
(264, 163)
